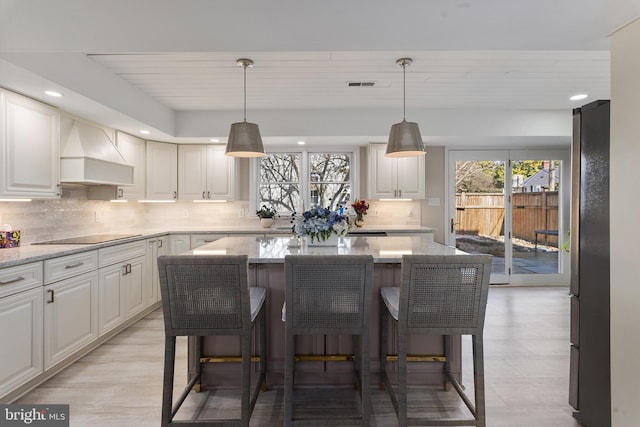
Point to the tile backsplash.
(75, 215)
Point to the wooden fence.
(483, 214)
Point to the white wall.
(625, 232)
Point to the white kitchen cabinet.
(21, 325)
(205, 173)
(29, 148)
(134, 152)
(394, 178)
(122, 279)
(198, 240)
(179, 243)
(71, 316)
(162, 171)
(71, 305)
(156, 246)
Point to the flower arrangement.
(360, 206)
(266, 212)
(319, 223)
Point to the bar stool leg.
(167, 385)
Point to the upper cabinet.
(134, 152)
(29, 148)
(162, 171)
(394, 178)
(205, 173)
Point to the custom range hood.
(89, 156)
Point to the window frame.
(305, 181)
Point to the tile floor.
(527, 373)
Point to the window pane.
(283, 197)
(331, 195)
(280, 167)
(329, 167)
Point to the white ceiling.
(170, 66)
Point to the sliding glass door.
(514, 205)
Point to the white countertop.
(274, 249)
(27, 253)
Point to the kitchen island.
(266, 269)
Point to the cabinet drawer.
(198, 240)
(68, 266)
(119, 253)
(20, 278)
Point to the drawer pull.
(52, 294)
(17, 279)
(77, 264)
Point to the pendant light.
(404, 139)
(244, 138)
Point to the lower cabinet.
(20, 338)
(156, 247)
(70, 316)
(121, 283)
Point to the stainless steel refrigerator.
(590, 378)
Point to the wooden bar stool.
(442, 295)
(205, 296)
(328, 295)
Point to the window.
(297, 181)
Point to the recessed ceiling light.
(301, 142)
(53, 93)
(214, 140)
(578, 97)
(145, 132)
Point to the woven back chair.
(442, 295)
(328, 295)
(204, 296)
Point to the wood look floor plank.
(527, 375)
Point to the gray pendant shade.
(244, 140)
(405, 140)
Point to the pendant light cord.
(245, 92)
(404, 91)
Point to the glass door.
(514, 205)
(477, 221)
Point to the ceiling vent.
(360, 84)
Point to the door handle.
(453, 225)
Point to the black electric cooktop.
(87, 240)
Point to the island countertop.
(264, 250)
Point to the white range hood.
(89, 156)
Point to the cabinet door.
(29, 148)
(220, 174)
(162, 171)
(111, 311)
(382, 174)
(179, 243)
(134, 152)
(71, 316)
(156, 247)
(21, 338)
(134, 284)
(192, 172)
(410, 177)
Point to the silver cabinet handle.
(204, 194)
(175, 194)
(77, 264)
(51, 295)
(17, 279)
(208, 194)
(120, 193)
(160, 242)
